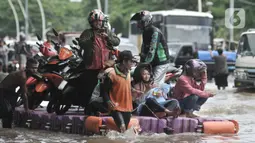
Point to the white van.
(245, 61)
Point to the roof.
(182, 12)
(218, 39)
(249, 31)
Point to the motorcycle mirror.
(38, 37)
(54, 43)
(38, 44)
(55, 32)
(77, 39)
(75, 42)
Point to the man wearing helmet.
(96, 44)
(154, 48)
(191, 95)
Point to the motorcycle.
(35, 95)
(173, 73)
(69, 94)
(51, 69)
(67, 67)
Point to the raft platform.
(76, 123)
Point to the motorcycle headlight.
(240, 75)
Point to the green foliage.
(70, 16)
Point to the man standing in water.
(154, 48)
(117, 90)
(8, 96)
(221, 69)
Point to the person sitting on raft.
(97, 106)
(190, 95)
(117, 90)
(151, 99)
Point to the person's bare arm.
(25, 99)
(211, 54)
(23, 90)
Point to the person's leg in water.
(191, 103)
(127, 117)
(217, 81)
(225, 81)
(9, 103)
(7, 120)
(121, 119)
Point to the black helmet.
(144, 18)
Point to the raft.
(76, 123)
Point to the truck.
(189, 34)
(245, 61)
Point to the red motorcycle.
(40, 86)
(35, 94)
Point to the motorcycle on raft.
(62, 85)
(67, 93)
(52, 65)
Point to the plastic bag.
(163, 90)
(96, 94)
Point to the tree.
(67, 16)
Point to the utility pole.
(16, 19)
(26, 19)
(22, 8)
(231, 30)
(43, 18)
(106, 7)
(199, 2)
(99, 4)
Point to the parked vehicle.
(245, 63)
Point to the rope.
(168, 130)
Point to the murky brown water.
(228, 104)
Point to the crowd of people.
(122, 95)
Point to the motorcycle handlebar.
(55, 32)
(39, 44)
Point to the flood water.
(228, 104)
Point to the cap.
(125, 55)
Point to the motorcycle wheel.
(51, 106)
(34, 102)
(61, 109)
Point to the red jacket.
(186, 86)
